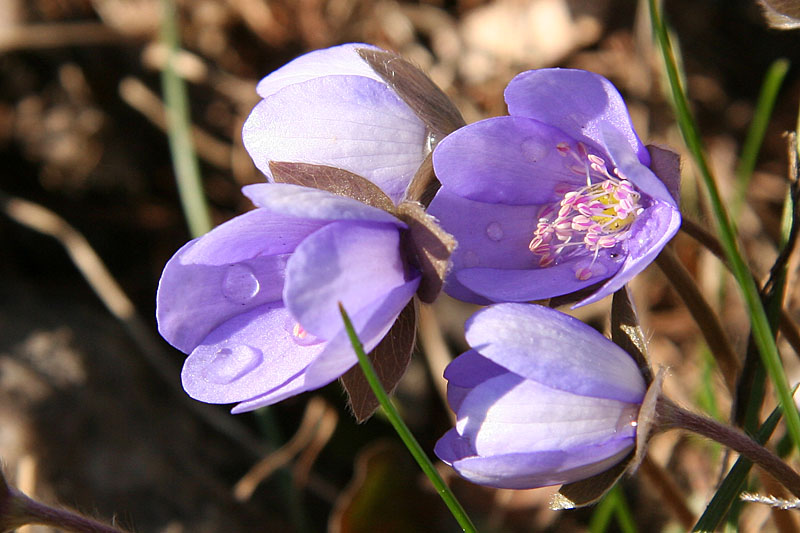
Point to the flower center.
(588, 220)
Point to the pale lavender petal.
(307, 204)
(337, 60)
(509, 160)
(345, 262)
(510, 414)
(296, 385)
(575, 101)
(539, 469)
(371, 325)
(194, 299)
(257, 232)
(350, 122)
(547, 346)
(518, 285)
(649, 234)
(465, 372)
(488, 235)
(247, 356)
(453, 447)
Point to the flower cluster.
(558, 197)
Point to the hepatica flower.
(541, 399)
(354, 107)
(554, 198)
(254, 303)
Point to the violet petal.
(465, 372)
(345, 262)
(510, 160)
(569, 355)
(577, 102)
(539, 469)
(350, 122)
(342, 60)
(518, 285)
(510, 414)
(250, 354)
(371, 324)
(199, 290)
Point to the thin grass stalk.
(405, 434)
(184, 158)
(773, 80)
(613, 505)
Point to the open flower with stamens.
(554, 198)
(254, 302)
(540, 399)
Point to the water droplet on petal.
(534, 150)
(627, 421)
(240, 284)
(230, 364)
(494, 231)
(299, 335)
(431, 140)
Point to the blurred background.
(92, 415)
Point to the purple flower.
(541, 399)
(255, 301)
(329, 107)
(557, 197)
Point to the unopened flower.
(554, 198)
(334, 107)
(254, 303)
(541, 399)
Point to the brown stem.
(670, 415)
(703, 314)
(17, 509)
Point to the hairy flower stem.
(17, 509)
(669, 415)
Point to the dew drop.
(240, 284)
(494, 231)
(627, 421)
(533, 150)
(432, 138)
(299, 335)
(230, 364)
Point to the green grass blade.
(184, 158)
(758, 127)
(613, 505)
(762, 334)
(402, 430)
